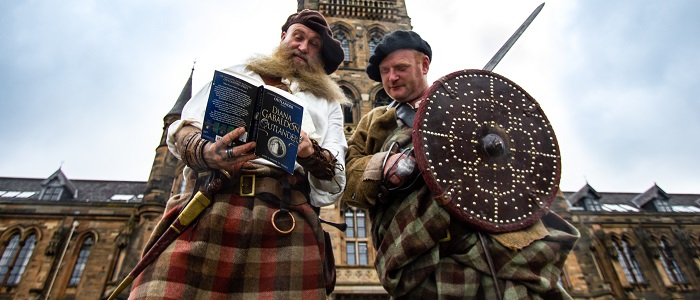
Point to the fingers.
(238, 152)
(223, 155)
(391, 163)
(395, 179)
(305, 148)
(236, 156)
(232, 136)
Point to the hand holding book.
(221, 155)
(305, 146)
(272, 118)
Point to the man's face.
(403, 74)
(304, 43)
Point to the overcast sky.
(86, 84)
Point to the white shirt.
(327, 119)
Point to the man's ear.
(425, 64)
(284, 34)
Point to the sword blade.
(509, 43)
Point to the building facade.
(77, 239)
(633, 246)
(70, 239)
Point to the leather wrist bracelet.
(321, 163)
(191, 151)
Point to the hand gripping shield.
(487, 151)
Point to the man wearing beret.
(422, 251)
(261, 236)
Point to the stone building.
(633, 246)
(77, 239)
(63, 238)
(69, 239)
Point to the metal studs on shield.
(487, 150)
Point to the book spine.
(253, 131)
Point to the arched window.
(344, 43)
(673, 270)
(81, 261)
(16, 262)
(373, 42)
(8, 256)
(356, 252)
(348, 115)
(628, 262)
(382, 99)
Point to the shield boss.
(487, 151)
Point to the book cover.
(279, 128)
(271, 116)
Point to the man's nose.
(393, 75)
(304, 46)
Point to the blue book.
(272, 117)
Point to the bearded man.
(238, 247)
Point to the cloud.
(88, 84)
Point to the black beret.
(331, 52)
(396, 40)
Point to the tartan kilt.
(233, 251)
(413, 262)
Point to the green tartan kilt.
(414, 262)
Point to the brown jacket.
(365, 157)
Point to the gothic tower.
(360, 25)
(163, 181)
(166, 167)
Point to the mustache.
(299, 54)
(310, 76)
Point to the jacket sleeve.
(364, 162)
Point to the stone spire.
(165, 165)
(185, 96)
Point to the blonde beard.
(311, 77)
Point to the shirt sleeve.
(327, 192)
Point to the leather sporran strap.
(489, 261)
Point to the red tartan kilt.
(233, 251)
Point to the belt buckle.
(252, 186)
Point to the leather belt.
(271, 190)
(252, 185)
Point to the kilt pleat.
(412, 264)
(233, 251)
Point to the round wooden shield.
(487, 150)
